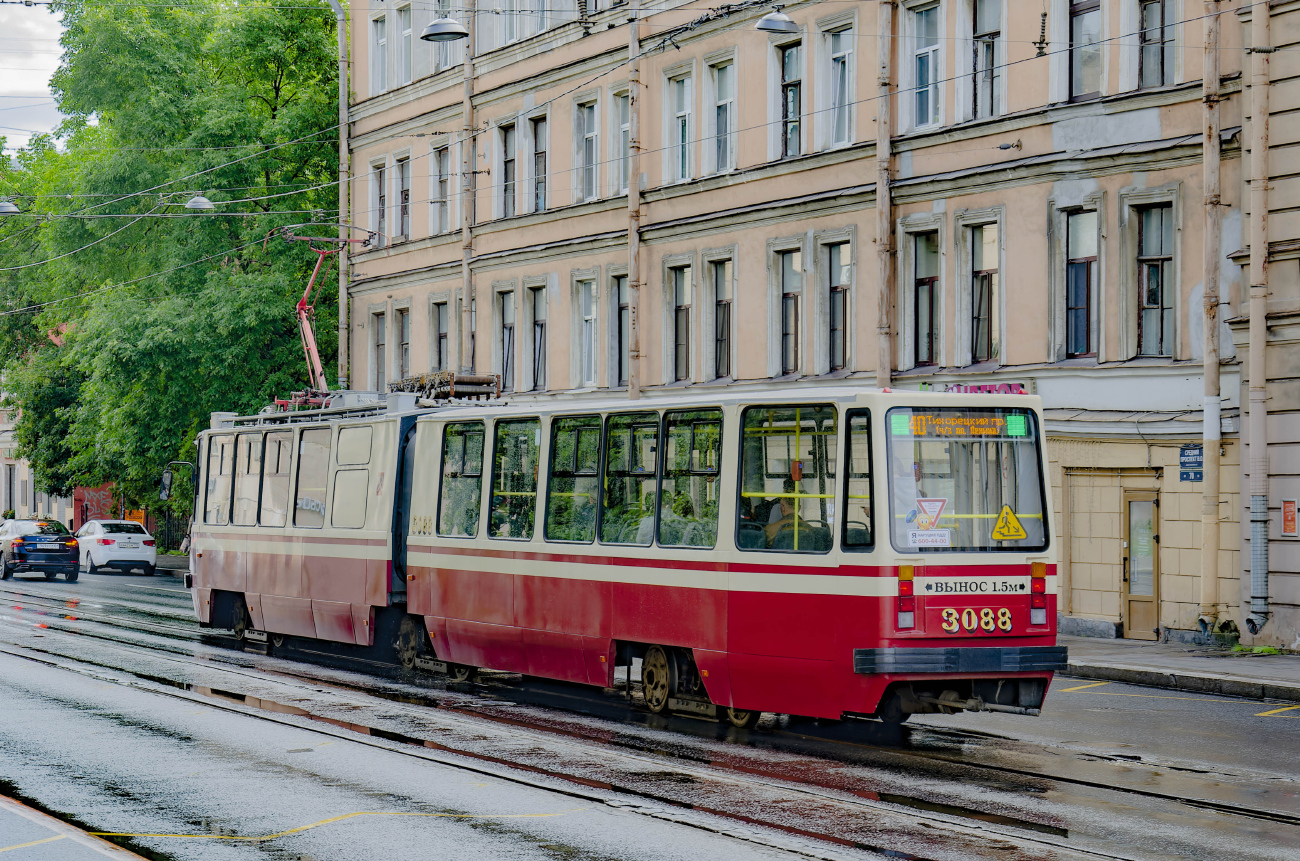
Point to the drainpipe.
(634, 203)
(1210, 326)
(340, 16)
(468, 145)
(884, 204)
(1259, 116)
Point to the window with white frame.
(925, 297)
(588, 152)
(404, 198)
(679, 128)
(440, 324)
(506, 340)
(442, 190)
(680, 277)
(378, 55)
(1085, 49)
(380, 351)
(985, 338)
(587, 306)
(623, 116)
(540, 144)
(508, 168)
(724, 116)
(841, 69)
(1155, 329)
(790, 58)
(622, 298)
(405, 61)
(986, 47)
(403, 343)
(1081, 283)
(509, 21)
(790, 274)
(379, 200)
(925, 65)
(838, 277)
(1156, 41)
(722, 321)
(539, 337)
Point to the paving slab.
(1185, 667)
(35, 836)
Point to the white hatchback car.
(120, 544)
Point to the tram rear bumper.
(961, 659)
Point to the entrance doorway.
(1140, 591)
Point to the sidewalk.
(173, 563)
(1184, 667)
(38, 837)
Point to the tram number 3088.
(971, 619)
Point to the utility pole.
(1210, 325)
(341, 19)
(467, 162)
(634, 203)
(884, 202)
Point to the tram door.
(1140, 591)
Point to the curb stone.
(1200, 683)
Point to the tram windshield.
(965, 479)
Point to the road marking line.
(156, 588)
(302, 828)
(34, 843)
(1206, 698)
(1082, 687)
(1279, 711)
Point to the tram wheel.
(459, 672)
(409, 638)
(891, 712)
(656, 679)
(741, 718)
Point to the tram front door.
(1140, 591)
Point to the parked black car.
(38, 545)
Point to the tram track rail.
(1019, 832)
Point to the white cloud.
(29, 54)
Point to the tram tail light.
(906, 600)
(1038, 593)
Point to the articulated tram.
(825, 552)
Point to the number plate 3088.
(974, 620)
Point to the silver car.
(120, 544)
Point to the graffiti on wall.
(98, 502)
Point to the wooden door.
(1140, 590)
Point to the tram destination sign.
(958, 423)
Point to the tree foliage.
(142, 318)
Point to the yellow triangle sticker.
(1008, 528)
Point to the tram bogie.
(824, 552)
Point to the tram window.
(351, 488)
(354, 446)
(631, 464)
(275, 478)
(965, 479)
(248, 474)
(221, 466)
(787, 488)
(512, 507)
(857, 500)
(313, 469)
(574, 479)
(688, 498)
(462, 479)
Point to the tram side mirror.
(165, 485)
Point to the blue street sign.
(1191, 462)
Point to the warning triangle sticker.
(1008, 528)
(928, 511)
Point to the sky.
(29, 54)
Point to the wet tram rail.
(917, 792)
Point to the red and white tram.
(816, 551)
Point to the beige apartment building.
(1043, 227)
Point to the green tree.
(159, 316)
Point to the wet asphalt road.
(151, 732)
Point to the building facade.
(1043, 228)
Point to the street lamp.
(776, 21)
(444, 30)
(199, 203)
(7, 207)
